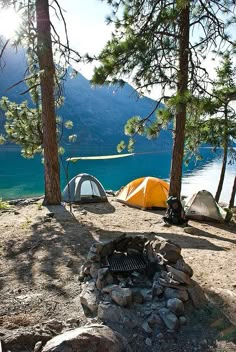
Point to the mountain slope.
(98, 113)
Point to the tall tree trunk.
(180, 119)
(225, 155)
(231, 202)
(46, 64)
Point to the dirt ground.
(42, 248)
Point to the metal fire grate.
(123, 262)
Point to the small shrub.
(3, 205)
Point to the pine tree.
(37, 36)
(162, 43)
(213, 120)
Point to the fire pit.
(148, 276)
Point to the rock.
(182, 266)
(69, 263)
(137, 296)
(122, 296)
(147, 294)
(174, 293)
(50, 214)
(168, 279)
(96, 247)
(169, 318)
(182, 320)
(121, 243)
(107, 249)
(101, 275)
(109, 279)
(109, 288)
(175, 305)
(93, 257)
(88, 296)
(85, 268)
(110, 312)
(196, 294)
(94, 270)
(170, 251)
(146, 327)
(93, 338)
(178, 275)
(38, 346)
(160, 336)
(148, 341)
(16, 340)
(73, 321)
(157, 289)
(54, 324)
(191, 230)
(154, 319)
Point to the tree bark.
(231, 202)
(46, 64)
(180, 119)
(225, 155)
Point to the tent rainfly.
(145, 192)
(84, 188)
(202, 206)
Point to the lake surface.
(20, 177)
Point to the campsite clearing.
(42, 248)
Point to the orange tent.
(145, 192)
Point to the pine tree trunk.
(46, 64)
(231, 202)
(180, 119)
(222, 174)
(225, 155)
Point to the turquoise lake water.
(20, 177)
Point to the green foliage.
(145, 48)
(68, 124)
(3, 205)
(121, 146)
(212, 120)
(23, 126)
(133, 126)
(23, 122)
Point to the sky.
(87, 31)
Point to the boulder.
(88, 296)
(170, 251)
(176, 306)
(178, 275)
(16, 340)
(169, 318)
(110, 312)
(157, 289)
(173, 293)
(93, 338)
(196, 294)
(122, 296)
(94, 270)
(182, 266)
